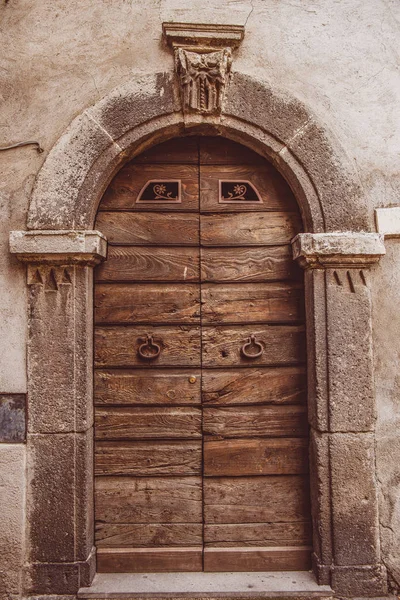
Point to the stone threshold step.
(207, 586)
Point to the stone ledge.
(199, 35)
(339, 249)
(388, 221)
(65, 246)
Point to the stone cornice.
(347, 249)
(202, 37)
(59, 247)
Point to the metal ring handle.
(151, 347)
(251, 341)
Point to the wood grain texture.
(124, 189)
(148, 499)
(258, 559)
(147, 422)
(282, 344)
(132, 387)
(122, 303)
(149, 228)
(255, 421)
(149, 560)
(221, 151)
(283, 385)
(273, 189)
(256, 499)
(130, 263)
(180, 150)
(148, 458)
(287, 456)
(258, 534)
(269, 263)
(118, 346)
(149, 535)
(252, 303)
(249, 229)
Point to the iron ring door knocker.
(251, 341)
(149, 350)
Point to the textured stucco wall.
(340, 57)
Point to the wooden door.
(201, 433)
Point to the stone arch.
(61, 249)
(147, 110)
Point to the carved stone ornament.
(203, 59)
(202, 78)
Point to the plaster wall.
(340, 57)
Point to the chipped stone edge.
(89, 247)
(340, 249)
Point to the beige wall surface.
(340, 57)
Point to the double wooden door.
(201, 432)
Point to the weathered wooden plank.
(147, 303)
(124, 189)
(275, 193)
(129, 263)
(254, 421)
(288, 456)
(147, 422)
(252, 303)
(148, 458)
(256, 499)
(150, 535)
(149, 560)
(119, 346)
(221, 151)
(121, 386)
(281, 344)
(269, 263)
(249, 229)
(283, 385)
(149, 228)
(258, 534)
(148, 499)
(258, 559)
(181, 150)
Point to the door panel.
(201, 435)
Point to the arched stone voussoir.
(79, 166)
(147, 110)
(310, 143)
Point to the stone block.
(320, 485)
(350, 360)
(60, 349)
(317, 374)
(52, 578)
(60, 182)
(388, 221)
(84, 510)
(51, 498)
(12, 525)
(136, 102)
(333, 176)
(354, 499)
(362, 581)
(12, 418)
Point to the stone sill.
(283, 584)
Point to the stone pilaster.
(60, 541)
(342, 409)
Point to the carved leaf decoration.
(167, 190)
(237, 192)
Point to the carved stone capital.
(59, 247)
(203, 59)
(347, 249)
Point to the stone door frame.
(60, 249)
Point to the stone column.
(342, 409)
(60, 542)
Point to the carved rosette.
(203, 77)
